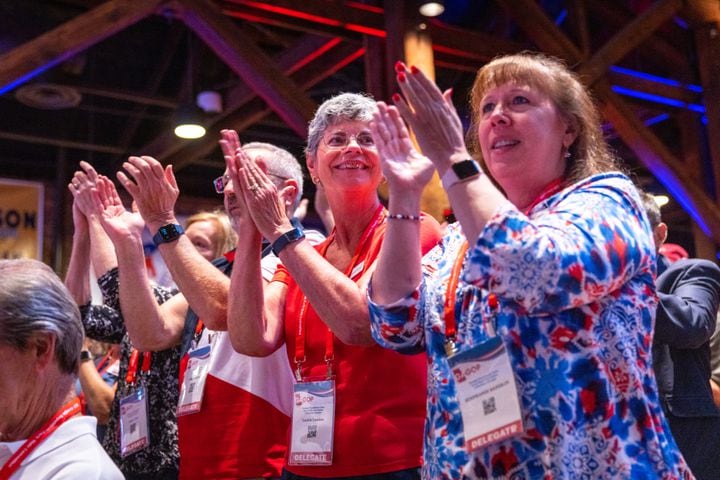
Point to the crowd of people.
(538, 337)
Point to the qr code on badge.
(133, 427)
(312, 431)
(489, 406)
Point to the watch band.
(85, 356)
(459, 172)
(168, 233)
(286, 239)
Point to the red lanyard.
(451, 298)
(300, 341)
(65, 413)
(132, 371)
(104, 364)
(551, 189)
(451, 295)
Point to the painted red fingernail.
(414, 69)
(396, 97)
(399, 67)
(401, 77)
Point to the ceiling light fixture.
(189, 117)
(431, 9)
(189, 122)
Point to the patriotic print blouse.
(574, 280)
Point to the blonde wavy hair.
(589, 153)
(225, 239)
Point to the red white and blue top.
(574, 283)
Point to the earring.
(315, 179)
(567, 154)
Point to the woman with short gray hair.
(315, 305)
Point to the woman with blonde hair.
(211, 233)
(536, 311)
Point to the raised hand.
(80, 186)
(117, 222)
(153, 188)
(403, 166)
(234, 199)
(265, 204)
(431, 115)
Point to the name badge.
(193, 386)
(134, 434)
(487, 394)
(313, 421)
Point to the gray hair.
(34, 300)
(342, 107)
(652, 210)
(281, 164)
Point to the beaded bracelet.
(400, 216)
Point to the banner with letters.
(21, 219)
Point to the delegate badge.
(487, 394)
(134, 435)
(191, 392)
(313, 420)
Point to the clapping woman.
(536, 310)
(370, 401)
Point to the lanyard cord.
(65, 413)
(300, 340)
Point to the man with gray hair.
(234, 410)
(42, 432)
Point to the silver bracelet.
(401, 216)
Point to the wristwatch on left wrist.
(168, 233)
(286, 239)
(460, 172)
(85, 356)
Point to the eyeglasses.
(221, 182)
(342, 140)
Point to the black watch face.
(169, 232)
(465, 169)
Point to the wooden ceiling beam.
(630, 37)
(352, 20)
(250, 63)
(657, 46)
(644, 85)
(533, 20)
(255, 110)
(154, 80)
(668, 169)
(577, 13)
(646, 146)
(707, 41)
(306, 49)
(72, 37)
(59, 142)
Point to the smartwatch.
(286, 239)
(85, 356)
(459, 172)
(168, 233)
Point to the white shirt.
(71, 452)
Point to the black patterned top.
(105, 323)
